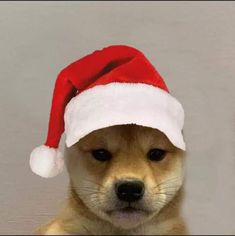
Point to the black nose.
(129, 191)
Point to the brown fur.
(91, 188)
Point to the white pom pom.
(46, 162)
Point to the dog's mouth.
(128, 212)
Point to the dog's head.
(125, 174)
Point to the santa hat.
(113, 86)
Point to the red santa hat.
(113, 86)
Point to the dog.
(124, 180)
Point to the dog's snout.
(129, 191)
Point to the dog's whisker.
(91, 181)
(172, 181)
(95, 203)
(173, 191)
(86, 193)
(91, 195)
(167, 189)
(89, 189)
(163, 194)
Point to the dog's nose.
(129, 191)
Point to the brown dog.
(124, 179)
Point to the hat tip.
(46, 162)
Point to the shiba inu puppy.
(124, 179)
(124, 146)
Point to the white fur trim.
(46, 162)
(124, 103)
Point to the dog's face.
(125, 174)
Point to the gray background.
(192, 44)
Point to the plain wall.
(192, 44)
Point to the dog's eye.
(156, 154)
(101, 154)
